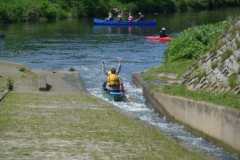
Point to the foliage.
(34, 10)
(10, 83)
(237, 41)
(226, 55)
(200, 73)
(192, 43)
(22, 69)
(71, 69)
(225, 99)
(214, 65)
(232, 80)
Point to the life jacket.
(113, 80)
(130, 18)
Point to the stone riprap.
(215, 68)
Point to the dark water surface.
(79, 44)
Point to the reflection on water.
(122, 29)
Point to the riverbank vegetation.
(181, 53)
(33, 10)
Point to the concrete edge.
(3, 94)
(156, 100)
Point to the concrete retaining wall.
(220, 124)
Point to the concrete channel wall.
(220, 124)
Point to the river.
(79, 44)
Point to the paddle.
(129, 99)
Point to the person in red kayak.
(163, 33)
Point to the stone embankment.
(219, 68)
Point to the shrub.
(22, 69)
(10, 83)
(71, 69)
(192, 42)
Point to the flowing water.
(79, 44)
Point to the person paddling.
(163, 33)
(141, 18)
(110, 17)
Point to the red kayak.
(158, 38)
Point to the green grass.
(80, 129)
(225, 99)
(233, 80)
(226, 55)
(179, 67)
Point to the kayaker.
(141, 18)
(163, 33)
(113, 81)
(130, 18)
(110, 17)
(119, 17)
(109, 72)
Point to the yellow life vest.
(109, 72)
(113, 80)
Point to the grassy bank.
(64, 126)
(181, 53)
(227, 99)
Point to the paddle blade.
(129, 99)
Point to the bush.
(192, 42)
(71, 69)
(22, 69)
(10, 83)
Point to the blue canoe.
(133, 23)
